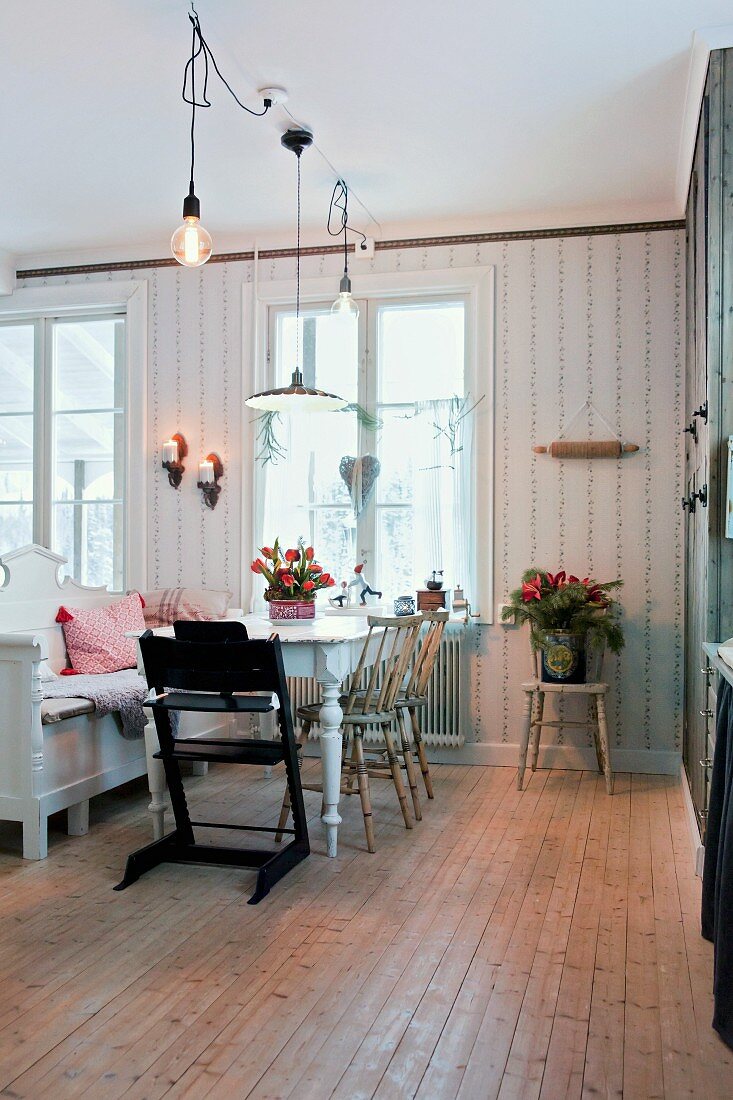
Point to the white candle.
(170, 451)
(206, 472)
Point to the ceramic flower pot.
(563, 658)
(291, 609)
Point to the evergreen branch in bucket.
(552, 602)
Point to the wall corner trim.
(704, 41)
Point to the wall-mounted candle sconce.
(174, 451)
(210, 470)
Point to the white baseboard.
(571, 757)
(698, 848)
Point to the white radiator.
(440, 721)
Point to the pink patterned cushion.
(166, 605)
(95, 637)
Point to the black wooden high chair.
(203, 676)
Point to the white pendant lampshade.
(297, 397)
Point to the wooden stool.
(532, 722)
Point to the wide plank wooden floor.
(534, 944)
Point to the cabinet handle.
(707, 670)
(706, 713)
(706, 763)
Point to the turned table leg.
(156, 779)
(331, 737)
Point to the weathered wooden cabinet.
(708, 412)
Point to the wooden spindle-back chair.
(415, 696)
(386, 668)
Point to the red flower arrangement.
(594, 593)
(562, 602)
(292, 574)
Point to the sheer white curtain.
(443, 495)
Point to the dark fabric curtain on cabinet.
(717, 883)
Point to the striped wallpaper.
(591, 316)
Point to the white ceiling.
(441, 116)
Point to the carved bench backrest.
(31, 592)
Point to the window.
(404, 363)
(63, 440)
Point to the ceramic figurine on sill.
(364, 587)
(342, 598)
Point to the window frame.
(476, 284)
(44, 305)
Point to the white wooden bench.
(54, 755)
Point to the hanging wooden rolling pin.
(587, 448)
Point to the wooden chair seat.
(360, 715)
(405, 700)
(565, 689)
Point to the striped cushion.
(166, 605)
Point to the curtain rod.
(379, 246)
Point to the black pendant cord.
(200, 46)
(191, 64)
(297, 283)
(340, 202)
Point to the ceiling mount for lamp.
(296, 140)
(277, 96)
(297, 397)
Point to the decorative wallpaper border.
(379, 246)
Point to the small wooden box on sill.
(433, 600)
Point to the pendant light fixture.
(191, 243)
(344, 306)
(297, 397)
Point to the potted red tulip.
(293, 578)
(566, 615)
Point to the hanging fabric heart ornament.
(359, 476)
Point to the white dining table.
(327, 649)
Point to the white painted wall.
(600, 316)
